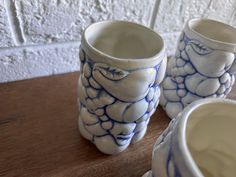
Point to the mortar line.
(207, 9)
(14, 23)
(232, 16)
(55, 44)
(41, 46)
(154, 13)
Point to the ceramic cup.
(199, 142)
(122, 65)
(202, 67)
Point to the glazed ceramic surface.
(199, 142)
(203, 66)
(122, 65)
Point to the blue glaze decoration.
(126, 129)
(163, 154)
(191, 75)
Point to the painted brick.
(5, 35)
(170, 40)
(233, 19)
(64, 20)
(222, 10)
(18, 64)
(173, 14)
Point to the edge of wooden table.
(39, 134)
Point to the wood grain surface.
(39, 135)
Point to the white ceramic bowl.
(199, 142)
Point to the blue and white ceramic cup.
(122, 65)
(200, 142)
(203, 66)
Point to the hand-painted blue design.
(197, 71)
(163, 160)
(163, 154)
(114, 107)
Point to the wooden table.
(39, 135)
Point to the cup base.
(106, 143)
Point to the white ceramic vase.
(203, 66)
(122, 65)
(199, 142)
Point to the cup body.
(199, 142)
(122, 65)
(203, 66)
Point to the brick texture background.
(41, 37)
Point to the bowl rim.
(98, 55)
(228, 46)
(187, 157)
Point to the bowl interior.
(123, 40)
(214, 30)
(210, 134)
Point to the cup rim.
(92, 52)
(187, 156)
(213, 42)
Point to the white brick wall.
(173, 14)
(5, 36)
(35, 61)
(45, 21)
(41, 37)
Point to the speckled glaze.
(203, 66)
(117, 96)
(172, 153)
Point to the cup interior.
(214, 30)
(210, 133)
(123, 40)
